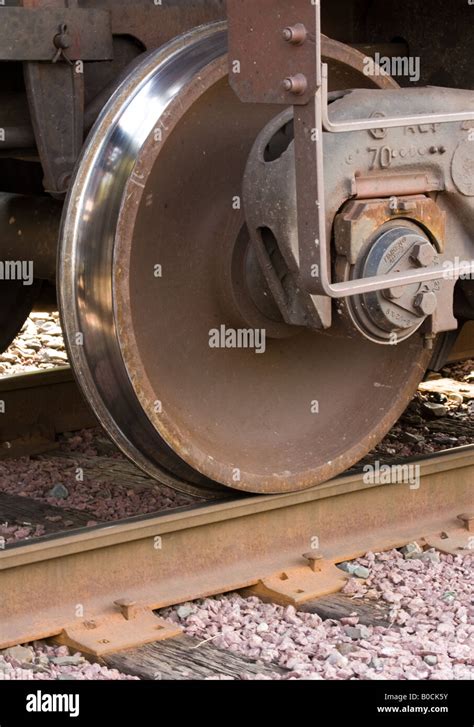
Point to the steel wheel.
(154, 256)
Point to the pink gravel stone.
(424, 624)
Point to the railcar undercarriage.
(257, 219)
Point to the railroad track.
(38, 406)
(96, 588)
(283, 548)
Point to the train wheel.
(156, 269)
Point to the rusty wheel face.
(159, 286)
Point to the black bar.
(120, 702)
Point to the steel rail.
(51, 586)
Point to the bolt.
(89, 624)
(62, 40)
(425, 303)
(127, 607)
(428, 343)
(393, 293)
(423, 254)
(468, 521)
(296, 84)
(407, 206)
(295, 34)
(313, 557)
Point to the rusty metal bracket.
(55, 95)
(27, 34)
(128, 626)
(458, 538)
(300, 584)
(55, 90)
(275, 56)
(361, 218)
(264, 52)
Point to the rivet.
(295, 34)
(297, 84)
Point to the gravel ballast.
(54, 482)
(43, 662)
(38, 346)
(431, 636)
